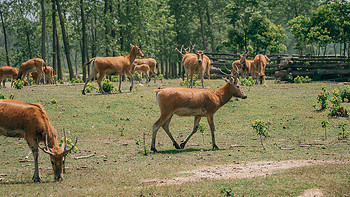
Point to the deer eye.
(237, 86)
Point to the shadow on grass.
(24, 182)
(177, 151)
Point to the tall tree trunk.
(112, 31)
(59, 65)
(202, 25)
(43, 30)
(121, 33)
(65, 41)
(54, 33)
(210, 28)
(83, 29)
(106, 20)
(29, 46)
(5, 37)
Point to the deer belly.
(190, 112)
(11, 132)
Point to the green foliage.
(107, 86)
(69, 146)
(227, 192)
(322, 99)
(76, 80)
(89, 88)
(289, 77)
(343, 134)
(12, 96)
(160, 77)
(261, 128)
(324, 125)
(213, 75)
(144, 147)
(18, 84)
(2, 96)
(345, 93)
(246, 81)
(53, 101)
(301, 79)
(115, 78)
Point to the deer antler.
(65, 143)
(47, 148)
(192, 46)
(179, 50)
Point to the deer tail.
(87, 63)
(157, 92)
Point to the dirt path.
(237, 171)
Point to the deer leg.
(99, 79)
(120, 83)
(132, 82)
(166, 128)
(92, 75)
(3, 82)
(195, 128)
(34, 147)
(202, 80)
(160, 122)
(212, 129)
(188, 85)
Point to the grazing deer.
(30, 121)
(152, 63)
(142, 68)
(32, 65)
(192, 102)
(49, 75)
(113, 66)
(258, 68)
(8, 72)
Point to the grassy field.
(109, 126)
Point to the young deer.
(192, 102)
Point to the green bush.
(2, 96)
(345, 93)
(76, 80)
(301, 79)
(107, 86)
(89, 87)
(18, 84)
(322, 98)
(53, 101)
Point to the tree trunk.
(54, 33)
(29, 46)
(5, 37)
(83, 29)
(202, 25)
(65, 41)
(59, 65)
(106, 19)
(121, 33)
(209, 28)
(43, 30)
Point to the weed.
(322, 98)
(213, 75)
(89, 88)
(115, 79)
(345, 93)
(107, 86)
(2, 96)
(261, 129)
(76, 80)
(336, 109)
(53, 101)
(69, 146)
(144, 147)
(18, 84)
(12, 96)
(202, 127)
(160, 77)
(344, 134)
(289, 77)
(301, 79)
(227, 191)
(324, 125)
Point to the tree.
(43, 30)
(5, 36)
(83, 29)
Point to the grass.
(119, 165)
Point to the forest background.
(67, 33)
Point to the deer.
(152, 63)
(113, 66)
(8, 72)
(49, 75)
(30, 121)
(142, 68)
(258, 68)
(192, 102)
(246, 65)
(32, 65)
(196, 64)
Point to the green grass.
(119, 165)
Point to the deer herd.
(31, 122)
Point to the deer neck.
(224, 94)
(132, 55)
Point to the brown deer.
(32, 65)
(30, 121)
(152, 63)
(192, 102)
(49, 75)
(196, 64)
(258, 68)
(8, 72)
(142, 68)
(113, 66)
(246, 65)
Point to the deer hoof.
(83, 92)
(154, 150)
(215, 147)
(37, 179)
(182, 145)
(177, 146)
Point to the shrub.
(18, 84)
(336, 109)
(76, 80)
(107, 86)
(160, 77)
(261, 128)
(69, 146)
(345, 93)
(301, 79)
(53, 101)
(2, 96)
(12, 96)
(89, 87)
(322, 98)
(115, 79)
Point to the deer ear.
(131, 45)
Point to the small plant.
(261, 128)
(89, 87)
(202, 127)
(227, 191)
(137, 76)
(145, 148)
(344, 134)
(246, 82)
(289, 77)
(53, 101)
(12, 96)
(160, 77)
(115, 79)
(322, 98)
(301, 79)
(336, 109)
(18, 84)
(2, 96)
(277, 81)
(31, 81)
(324, 125)
(76, 80)
(69, 146)
(213, 75)
(107, 86)
(345, 93)
(265, 86)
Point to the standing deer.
(30, 121)
(196, 64)
(32, 65)
(192, 102)
(8, 72)
(152, 63)
(49, 75)
(113, 66)
(246, 65)
(142, 68)
(258, 68)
